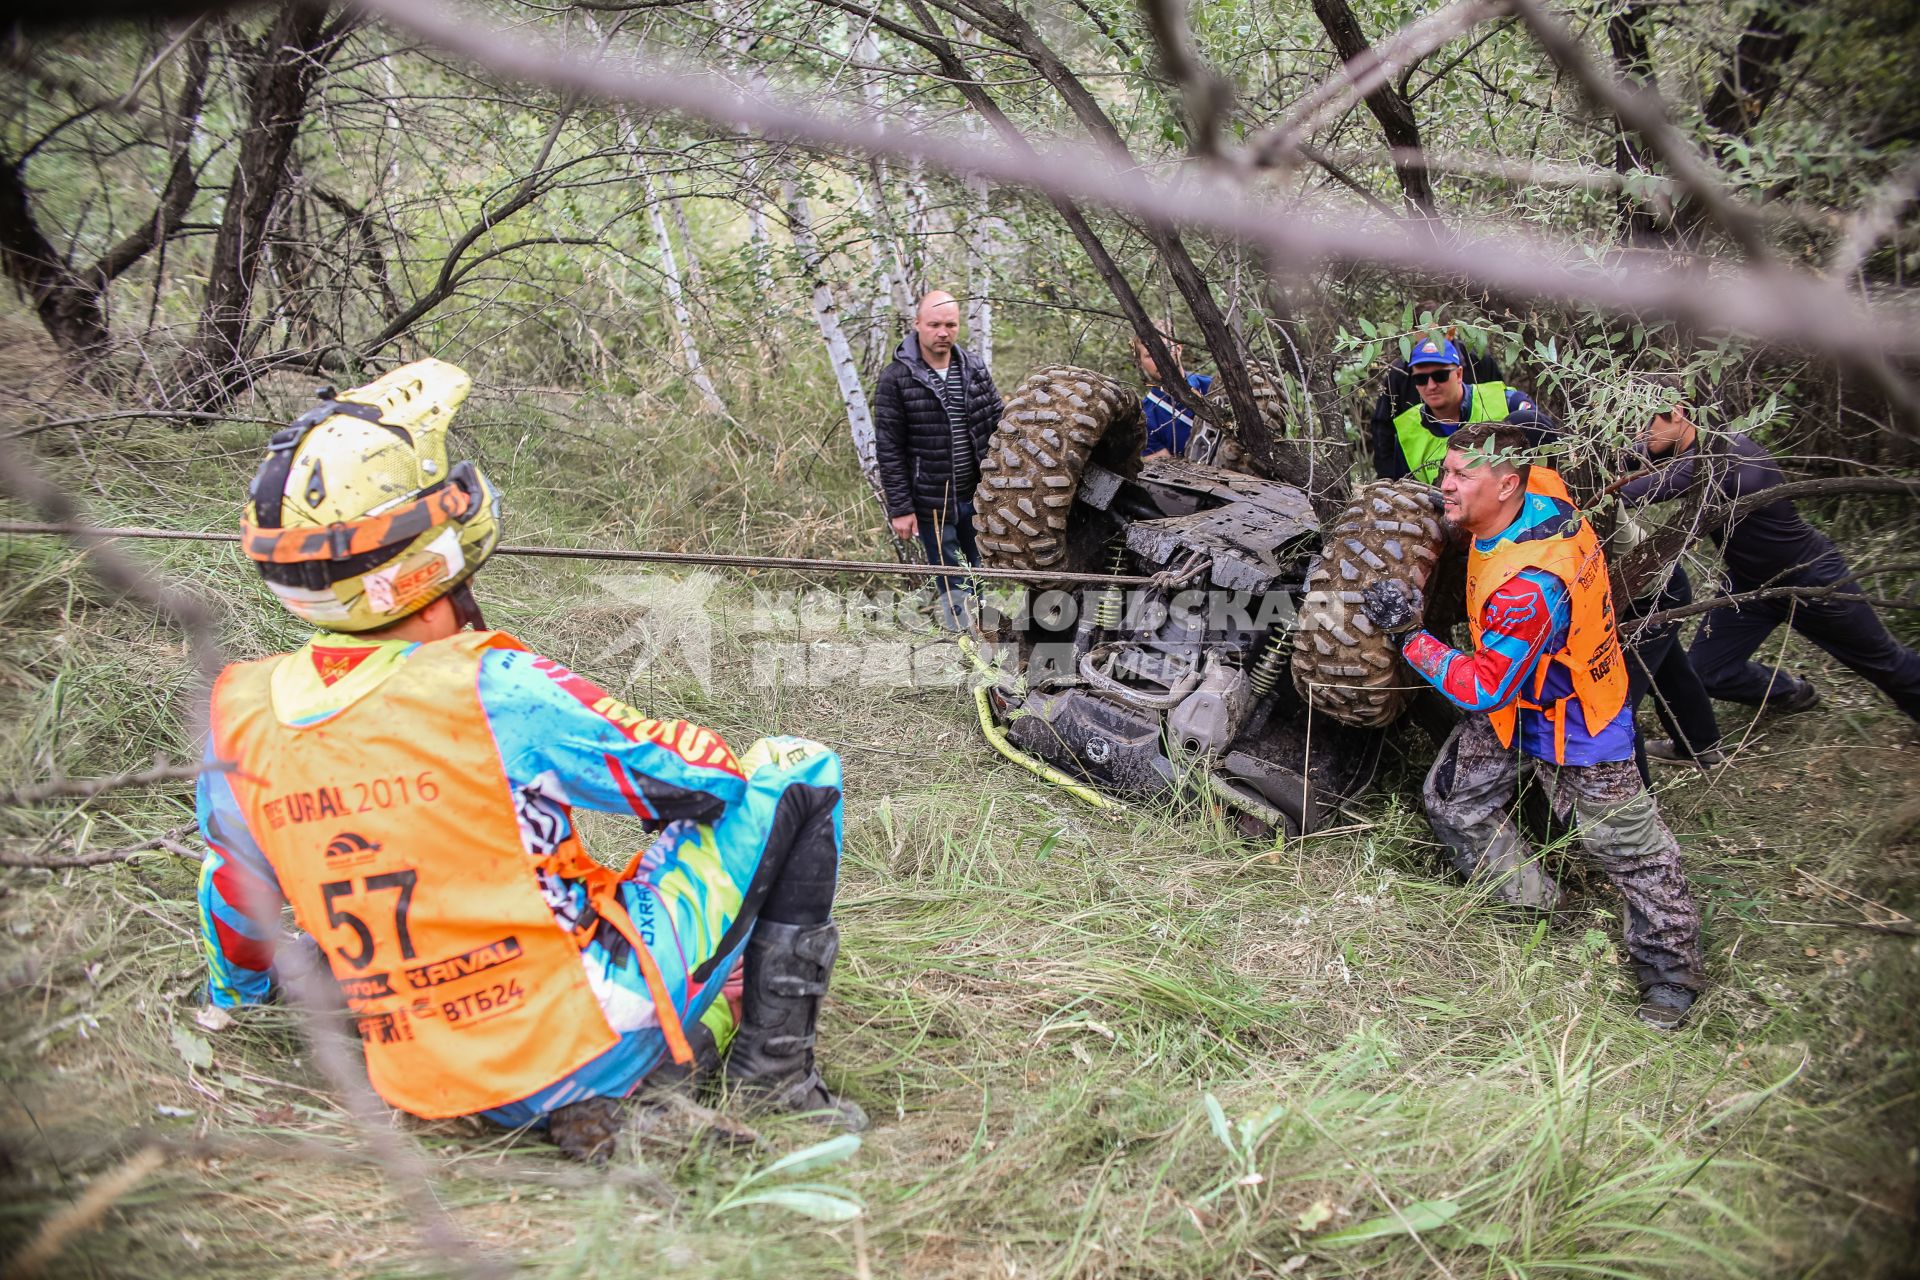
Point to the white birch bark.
(916, 231)
(981, 246)
(696, 278)
(710, 399)
(826, 314)
(890, 275)
(760, 245)
(880, 295)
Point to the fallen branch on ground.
(85, 1212)
(169, 843)
(87, 788)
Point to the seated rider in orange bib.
(407, 785)
(1545, 689)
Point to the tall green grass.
(1120, 1045)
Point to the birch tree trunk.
(917, 223)
(696, 279)
(762, 248)
(826, 314)
(982, 244)
(914, 246)
(890, 276)
(710, 399)
(881, 291)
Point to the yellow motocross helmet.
(356, 519)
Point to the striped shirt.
(953, 394)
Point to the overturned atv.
(1245, 671)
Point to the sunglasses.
(1432, 375)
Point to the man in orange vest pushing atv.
(406, 781)
(1545, 687)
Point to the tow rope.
(799, 564)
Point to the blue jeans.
(947, 536)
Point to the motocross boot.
(588, 1130)
(771, 1060)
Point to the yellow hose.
(1039, 768)
(1047, 773)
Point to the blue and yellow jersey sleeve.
(605, 755)
(239, 894)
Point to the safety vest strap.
(603, 895)
(1423, 449)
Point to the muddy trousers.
(1470, 796)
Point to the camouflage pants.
(1470, 794)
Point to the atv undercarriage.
(1244, 672)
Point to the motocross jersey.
(1527, 621)
(560, 742)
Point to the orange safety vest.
(391, 828)
(1592, 653)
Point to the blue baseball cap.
(1434, 351)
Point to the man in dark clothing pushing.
(933, 411)
(1770, 545)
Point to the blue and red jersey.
(1523, 623)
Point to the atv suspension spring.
(1266, 668)
(1111, 611)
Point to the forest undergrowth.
(1093, 1045)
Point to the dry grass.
(1094, 1046)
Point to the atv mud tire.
(1055, 420)
(1341, 665)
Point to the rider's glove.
(1394, 607)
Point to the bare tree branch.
(169, 843)
(1360, 77)
(87, 788)
(1644, 113)
(1768, 303)
(1844, 591)
(1876, 220)
(1208, 96)
(531, 188)
(1387, 103)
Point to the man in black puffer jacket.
(933, 412)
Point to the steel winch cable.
(799, 564)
